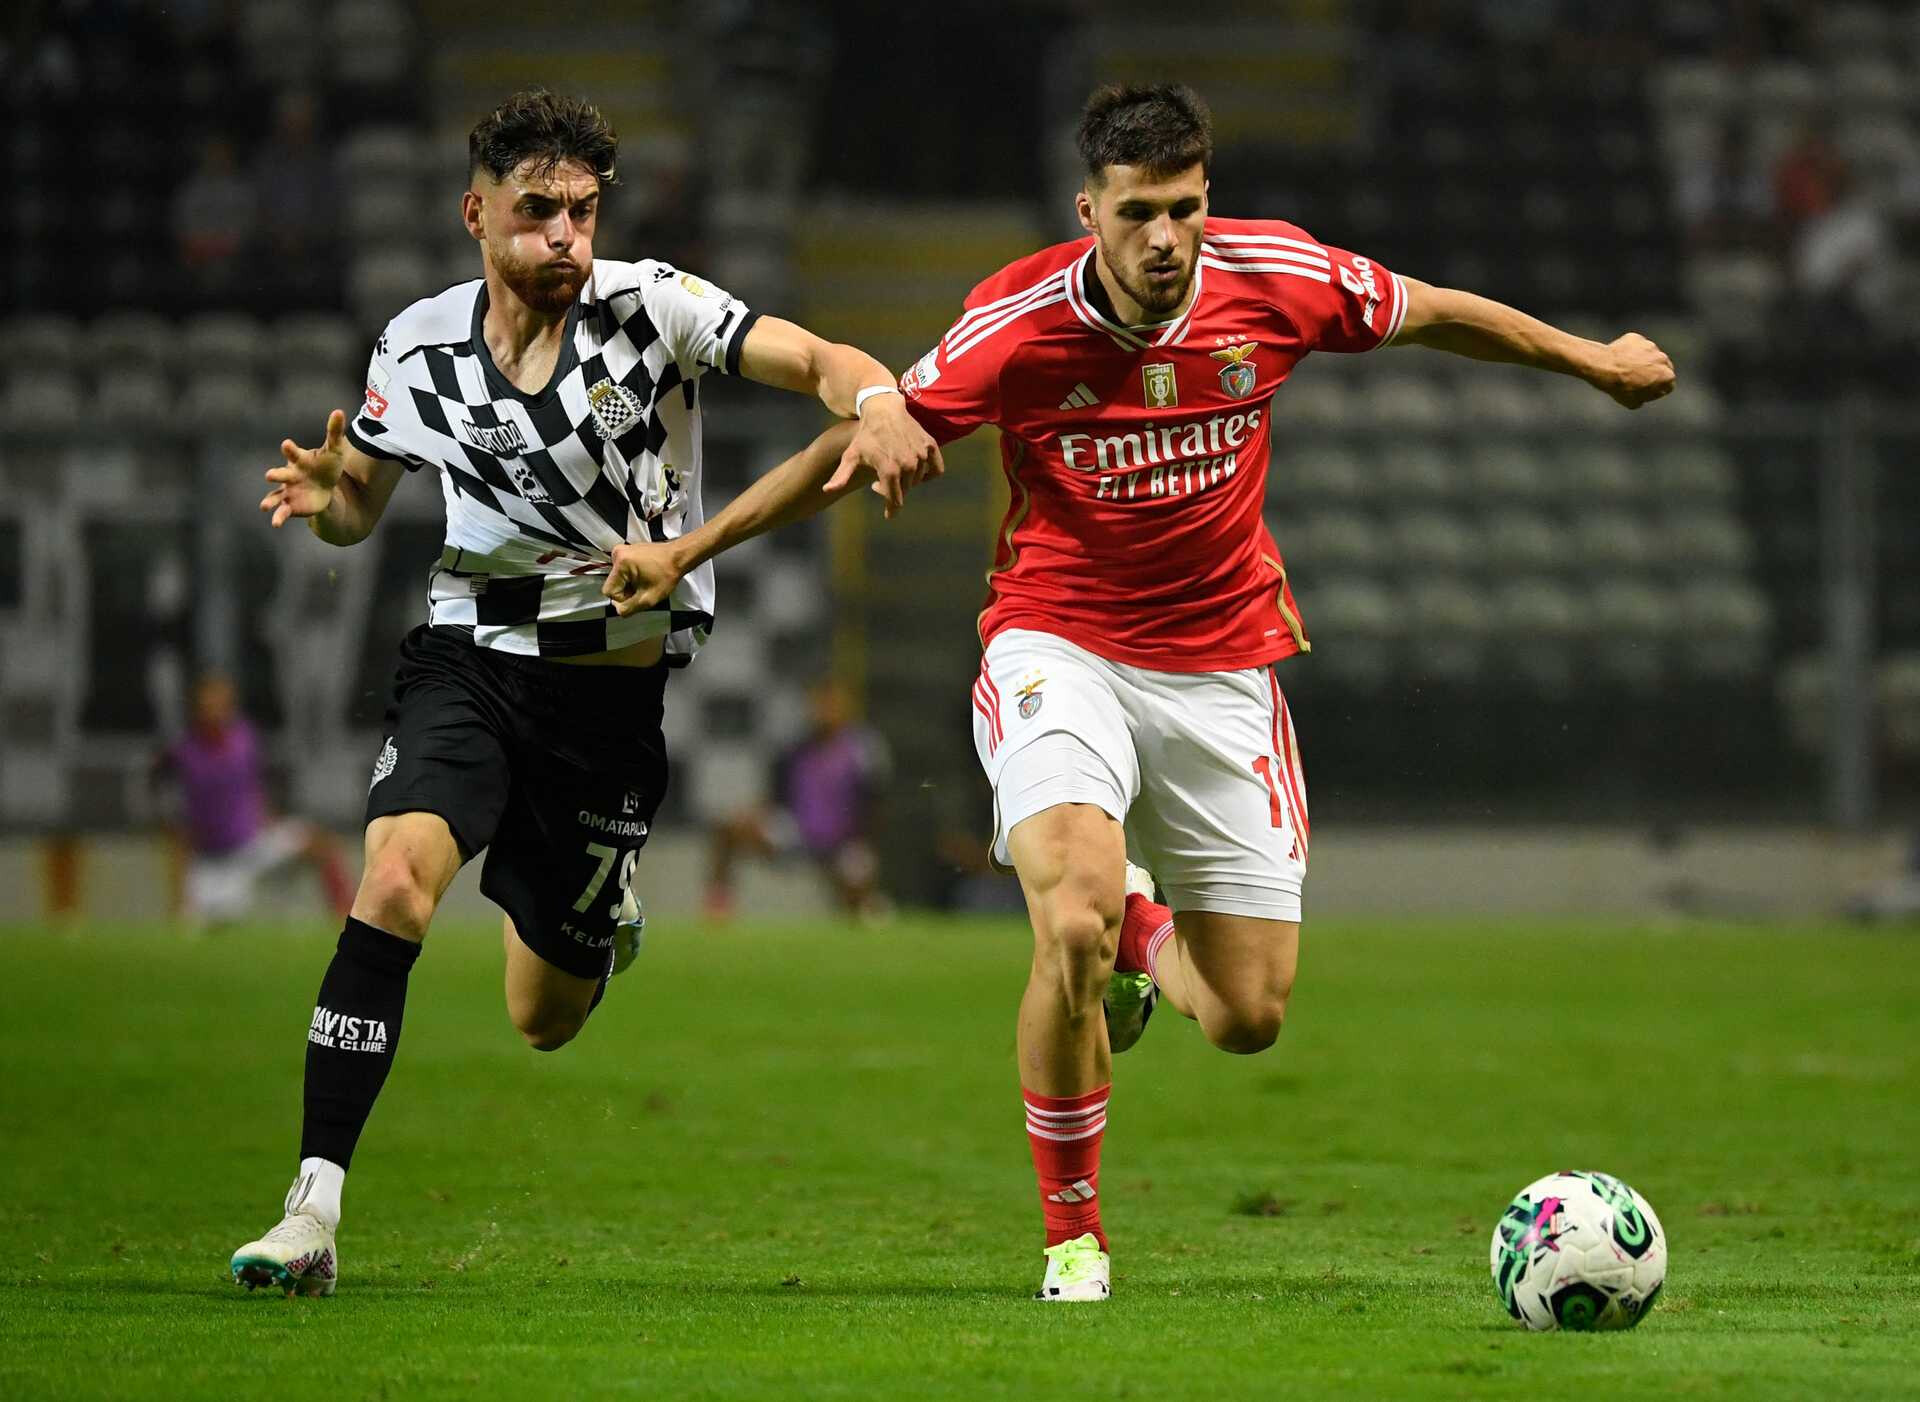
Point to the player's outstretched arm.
(1632, 369)
(852, 384)
(338, 489)
(643, 575)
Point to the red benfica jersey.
(1136, 456)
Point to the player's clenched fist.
(642, 576)
(1637, 372)
(891, 445)
(304, 484)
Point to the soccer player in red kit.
(1137, 602)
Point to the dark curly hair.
(1164, 128)
(536, 125)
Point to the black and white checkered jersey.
(541, 487)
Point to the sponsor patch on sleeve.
(923, 373)
(377, 381)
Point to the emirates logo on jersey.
(1237, 376)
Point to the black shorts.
(553, 769)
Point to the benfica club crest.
(1030, 698)
(1237, 375)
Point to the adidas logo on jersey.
(1081, 398)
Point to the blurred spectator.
(824, 808)
(214, 216)
(1897, 898)
(1843, 260)
(969, 882)
(298, 202)
(1808, 175)
(230, 839)
(1723, 197)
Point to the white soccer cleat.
(1076, 1270)
(298, 1256)
(629, 932)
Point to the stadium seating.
(1361, 623)
(317, 342)
(132, 337)
(134, 397)
(49, 342)
(223, 401)
(1425, 543)
(1632, 622)
(1322, 474)
(1897, 690)
(1503, 473)
(1541, 624)
(222, 341)
(301, 402)
(42, 399)
(379, 36)
(1449, 622)
(384, 280)
(1725, 628)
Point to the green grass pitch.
(787, 1162)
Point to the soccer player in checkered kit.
(1126, 700)
(557, 400)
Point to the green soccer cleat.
(1130, 1001)
(1130, 998)
(1076, 1270)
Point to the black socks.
(352, 1038)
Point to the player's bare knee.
(550, 1036)
(1247, 1029)
(394, 897)
(546, 1029)
(1076, 941)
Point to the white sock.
(317, 1190)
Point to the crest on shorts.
(1162, 389)
(1030, 698)
(1238, 374)
(383, 766)
(616, 408)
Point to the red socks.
(1064, 1132)
(1145, 928)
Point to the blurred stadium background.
(1566, 657)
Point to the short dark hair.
(535, 124)
(1164, 128)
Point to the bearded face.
(537, 228)
(549, 284)
(1157, 278)
(1148, 227)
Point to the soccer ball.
(1578, 1251)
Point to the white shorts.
(221, 887)
(1201, 768)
